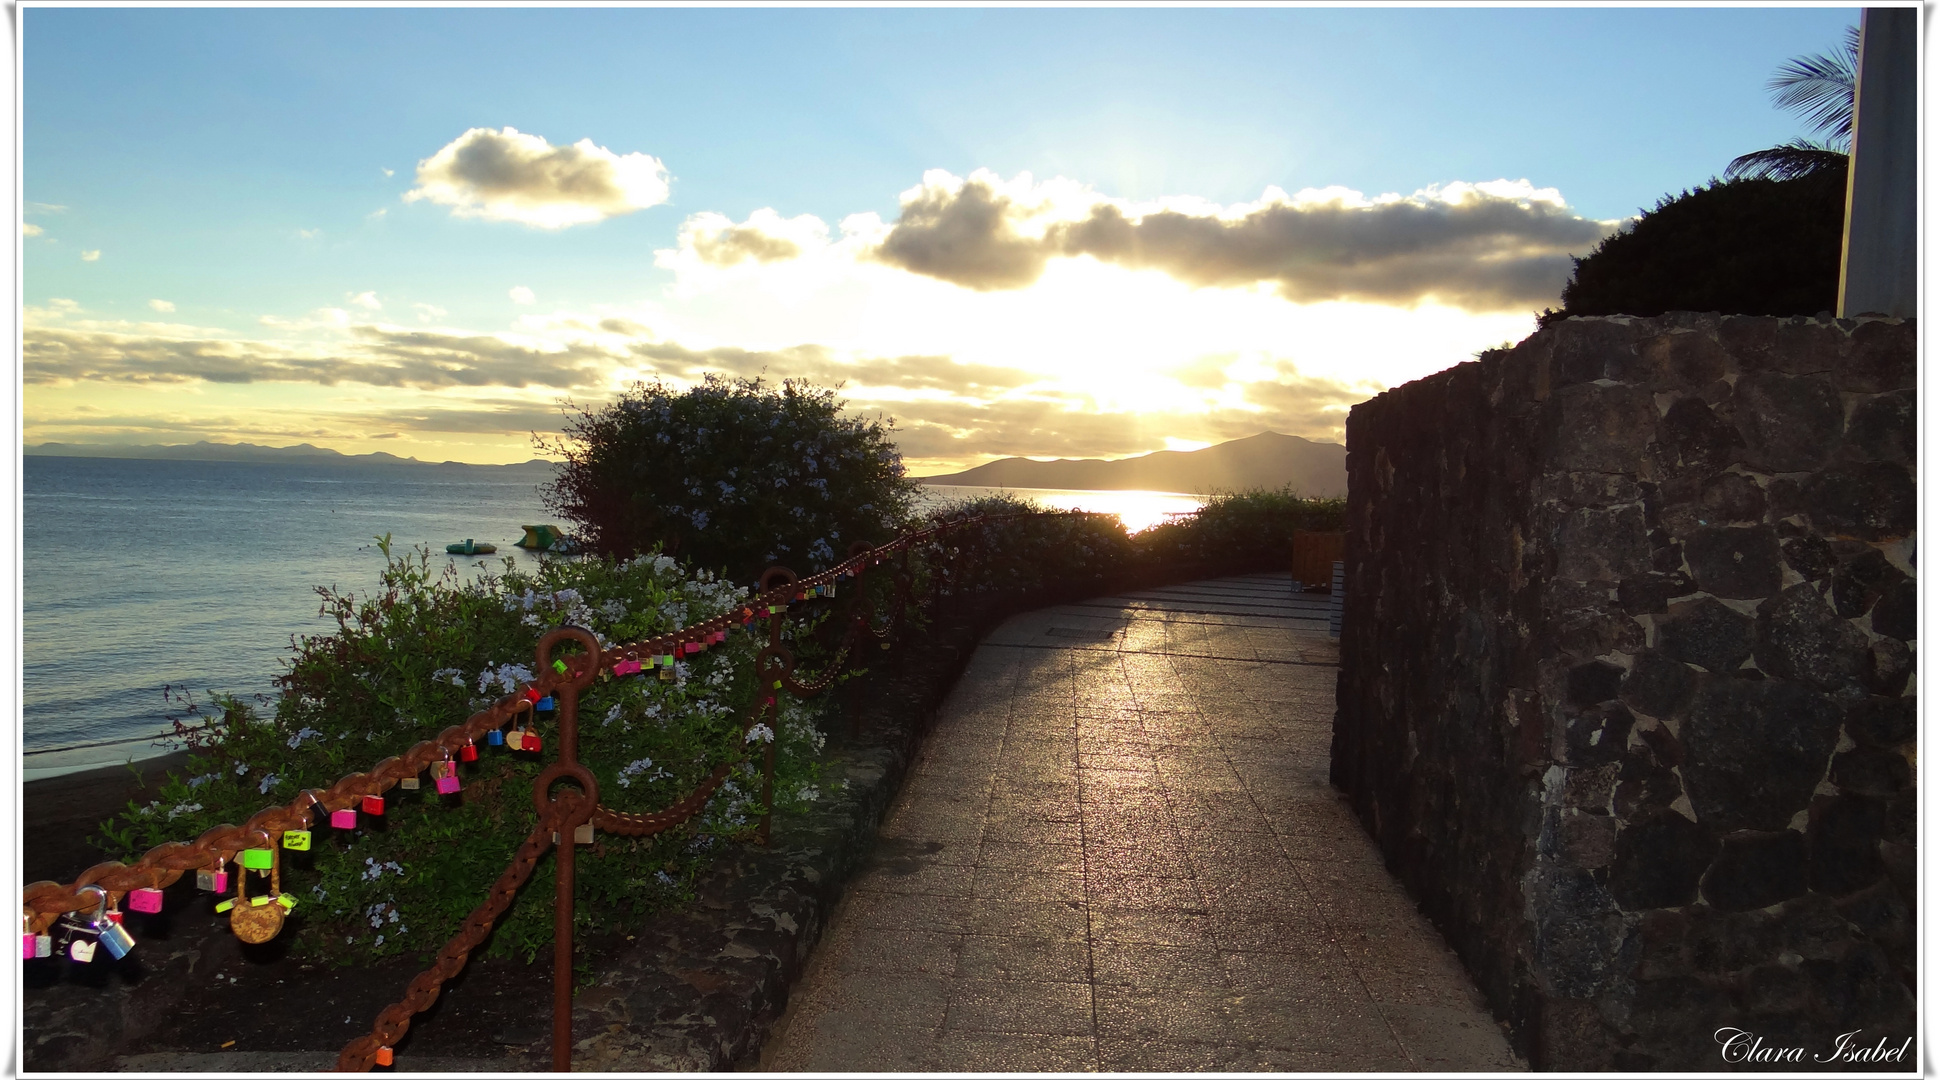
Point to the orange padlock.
(383, 1055)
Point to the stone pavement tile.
(1020, 1007)
(936, 879)
(1152, 1054)
(1005, 818)
(1218, 811)
(1428, 975)
(1135, 925)
(1161, 857)
(1305, 1017)
(1035, 959)
(1012, 855)
(904, 911)
(853, 1042)
(993, 1051)
(1443, 1039)
(1143, 890)
(1172, 1013)
(1220, 853)
(1156, 966)
(1377, 1058)
(1039, 831)
(1295, 928)
(998, 883)
(905, 952)
(921, 824)
(1311, 961)
(1064, 920)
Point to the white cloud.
(161, 305)
(91, 256)
(367, 300)
(31, 229)
(521, 295)
(506, 175)
(309, 234)
(428, 312)
(388, 172)
(377, 213)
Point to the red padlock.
(532, 695)
(374, 805)
(468, 752)
(531, 742)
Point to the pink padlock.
(148, 901)
(447, 785)
(343, 819)
(27, 945)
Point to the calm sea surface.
(194, 574)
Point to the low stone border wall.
(1625, 690)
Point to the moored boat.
(471, 547)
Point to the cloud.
(765, 237)
(1492, 246)
(367, 300)
(387, 172)
(429, 312)
(161, 305)
(31, 229)
(821, 365)
(91, 256)
(373, 355)
(505, 175)
(309, 234)
(521, 295)
(47, 208)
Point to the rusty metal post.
(567, 814)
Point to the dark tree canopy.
(733, 475)
(1741, 247)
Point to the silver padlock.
(112, 934)
(43, 946)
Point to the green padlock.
(559, 666)
(296, 840)
(257, 858)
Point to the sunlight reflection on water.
(1137, 510)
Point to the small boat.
(471, 547)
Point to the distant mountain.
(1268, 460)
(209, 451)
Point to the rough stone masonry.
(1626, 690)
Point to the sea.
(146, 580)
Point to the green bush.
(732, 474)
(423, 653)
(1741, 247)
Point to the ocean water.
(140, 575)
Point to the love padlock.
(374, 805)
(515, 739)
(27, 937)
(495, 737)
(343, 819)
(383, 1056)
(146, 901)
(215, 881)
(257, 858)
(447, 776)
(468, 752)
(533, 743)
(545, 704)
(296, 840)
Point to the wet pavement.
(1118, 851)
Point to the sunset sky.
(1044, 232)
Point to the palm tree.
(1821, 89)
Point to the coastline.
(60, 816)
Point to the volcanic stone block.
(1594, 683)
(1864, 500)
(1601, 428)
(1892, 664)
(1859, 581)
(1843, 838)
(1864, 770)
(1738, 563)
(1694, 438)
(1706, 633)
(1800, 637)
(1596, 736)
(1659, 685)
(1651, 593)
(1602, 545)
(1810, 555)
(1883, 721)
(1881, 358)
(1755, 751)
(1756, 870)
(1897, 612)
(1790, 422)
(1659, 860)
(1881, 428)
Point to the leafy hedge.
(424, 652)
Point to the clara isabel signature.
(1739, 1045)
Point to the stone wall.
(1626, 686)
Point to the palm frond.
(1800, 157)
(1820, 88)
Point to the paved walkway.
(1119, 851)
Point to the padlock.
(447, 775)
(515, 739)
(343, 819)
(409, 783)
(383, 1056)
(81, 949)
(495, 737)
(468, 752)
(373, 805)
(296, 840)
(146, 901)
(257, 858)
(532, 742)
(583, 834)
(117, 939)
(559, 666)
(215, 881)
(43, 946)
(27, 936)
(545, 704)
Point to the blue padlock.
(545, 704)
(495, 737)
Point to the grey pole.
(1878, 266)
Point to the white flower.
(242, 769)
(198, 781)
(379, 941)
(268, 782)
(761, 733)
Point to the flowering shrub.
(423, 653)
(732, 474)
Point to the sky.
(1044, 232)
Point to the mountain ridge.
(214, 451)
(1267, 460)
